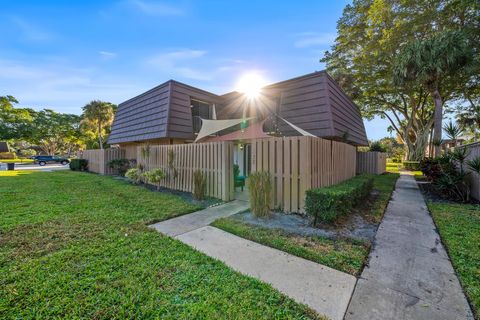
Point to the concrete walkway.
(409, 274)
(323, 289)
(189, 222)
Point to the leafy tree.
(393, 148)
(377, 146)
(98, 116)
(14, 122)
(371, 33)
(468, 118)
(56, 132)
(432, 62)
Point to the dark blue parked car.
(43, 160)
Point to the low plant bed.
(187, 196)
(354, 226)
(459, 228)
(342, 254)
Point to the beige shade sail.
(300, 130)
(210, 127)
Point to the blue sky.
(62, 54)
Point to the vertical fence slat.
(371, 162)
(300, 163)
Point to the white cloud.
(314, 39)
(177, 64)
(106, 55)
(60, 86)
(29, 31)
(155, 8)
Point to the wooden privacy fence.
(371, 162)
(301, 163)
(214, 159)
(474, 151)
(98, 159)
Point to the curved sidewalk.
(323, 289)
(409, 275)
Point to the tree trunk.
(438, 116)
(416, 150)
(100, 140)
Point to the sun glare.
(251, 84)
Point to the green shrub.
(7, 155)
(79, 164)
(377, 146)
(474, 164)
(448, 175)
(236, 171)
(121, 165)
(134, 174)
(411, 165)
(154, 176)
(329, 203)
(199, 185)
(260, 190)
(28, 153)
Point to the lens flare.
(251, 84)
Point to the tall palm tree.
(428, 62)
(100, 115)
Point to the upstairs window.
(200, 110)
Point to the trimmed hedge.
(79, 164)
(329, 203)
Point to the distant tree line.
(54, 132)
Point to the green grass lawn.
(345, 255)
(76, 245)
(459, 228)
(393, 167)
(16, 160)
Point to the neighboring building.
(446, 145)
(171, 112)
(4, 146)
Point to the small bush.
(134, 174)
(28, 153)
(329, 203)
(121, 165)
(154, 176)
(7, 155)
(411, 165)
(79, 165)
(199, 185)
(448, 175)
(396, 160)
(260, 191)
(474, 164)
(236, 171)
(377, 146)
